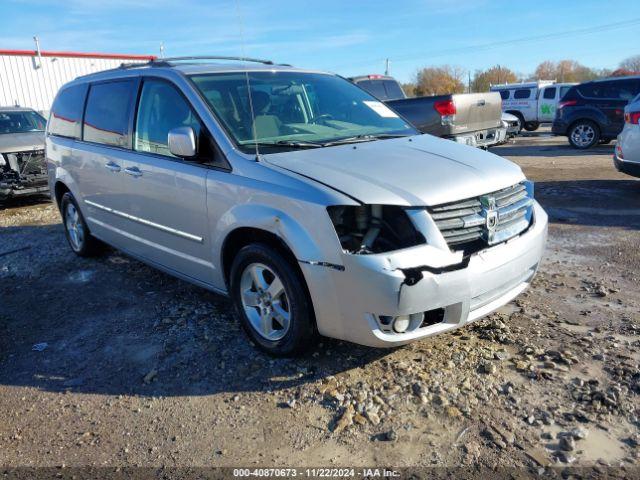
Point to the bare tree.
(564, 71)
(631, 63)
(440, 80)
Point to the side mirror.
(182, 142)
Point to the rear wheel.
(269, 295)
(75, 228)
(584, 134)
(531, 126)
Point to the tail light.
(567, 103)
(619, 153)
(632, 117)
(445, 107)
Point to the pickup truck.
(470, 118)
(532, 102)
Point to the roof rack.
(170, 60)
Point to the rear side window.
(612, 90)
(563, 91)
(549, 93)
(162, 108)
(522, 93)
(504, 94)
(394, 91)
(106, 119)
(374, 87)
(66, 112)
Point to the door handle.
(133, 171)
(114, 167)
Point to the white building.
(31, 78)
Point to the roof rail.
(170, 60)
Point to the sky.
(349, 37)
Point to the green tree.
(483, 79)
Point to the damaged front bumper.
(19, 187)
(437, 287)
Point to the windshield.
(21, 122)
(297, 109)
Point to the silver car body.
(627, 151)
(22, 165)
(177, 217)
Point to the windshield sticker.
(381, 109)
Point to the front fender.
(311, 236)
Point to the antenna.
(246, 73)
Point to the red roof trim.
(111, 56)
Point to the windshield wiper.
(364, 138)
(285, 144)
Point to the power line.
(515, 41)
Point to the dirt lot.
(142, 369)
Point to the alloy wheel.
(74, 227)
(265, 301)
(583, 135)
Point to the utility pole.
(386, 67)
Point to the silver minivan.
(314, 206)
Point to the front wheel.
(269, 296)
(584, 134)
(531, 126)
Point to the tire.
(76, 230)
(531, 126)
(279, 321)
(583, 134)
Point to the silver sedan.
(627, 153)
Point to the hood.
(21, 142)
(416, 171)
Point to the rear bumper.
(349, 303)
(625, 166)
(481, 138)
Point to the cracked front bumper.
(347, 303)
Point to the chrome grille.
(487, 219)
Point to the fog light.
(401, 323)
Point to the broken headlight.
(366, 229)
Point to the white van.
(532, 102)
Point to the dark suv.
(593, 112)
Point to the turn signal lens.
(632, 117)
(445, 107)
(567, 103)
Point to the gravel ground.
(107, 362)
